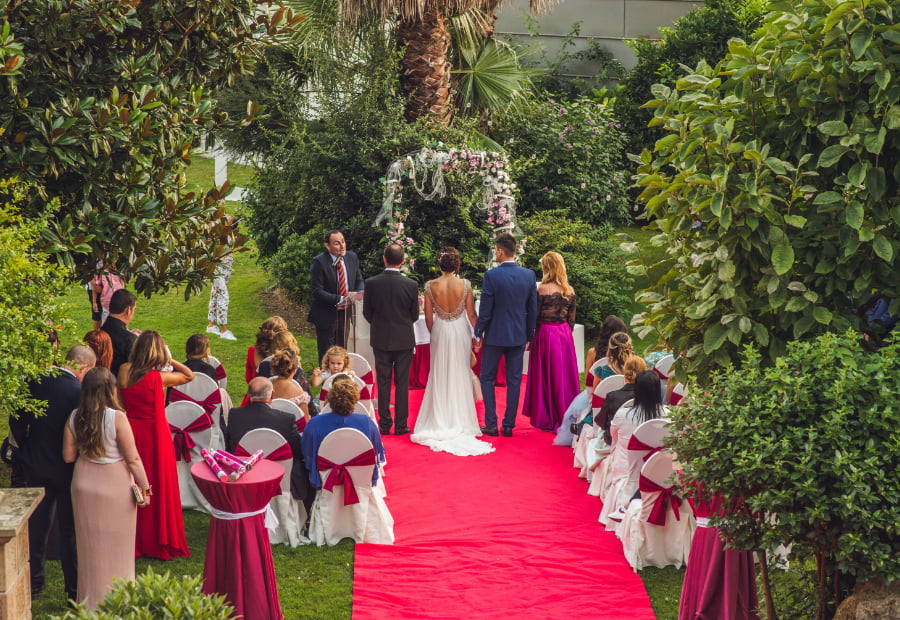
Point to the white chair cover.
(597, 452)
(199, 390)
(678, 393)
(369, 520)
(290, 512)
(663, 369)
(367, 407)
(220, 370)
(621, 485)
(600, 391)
(363, 370)
(283, 404)
(646, 543)
(181, 414)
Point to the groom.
(391, 306)
(506, 320)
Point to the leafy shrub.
(700, 34)
(809, 447)
(152, 596)
(289, 266)
(595, 265)
(567, 156)
(775, 189)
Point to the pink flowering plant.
(568, 155)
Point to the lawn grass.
(202, 171)
(312, 582)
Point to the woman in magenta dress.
(142, 381)
(553, 379)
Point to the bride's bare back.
(447, 293)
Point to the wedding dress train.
(447, 420)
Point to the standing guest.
(121, 311)
(553, 379)
(101, 344)
(391, 306)
(333, 275)
(197, 350)
(103, 287)
(39, 438)
(505, 325)
(260, 414)
(217, 317)
(284, 366)
(160, 530)
(98, 438)
(342, 399)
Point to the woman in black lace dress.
(553, 379)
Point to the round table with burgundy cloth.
(238, 556)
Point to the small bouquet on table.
(220, 460)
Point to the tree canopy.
(104, 104)
(775, 189)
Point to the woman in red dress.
(142, 381)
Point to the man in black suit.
(121, 311)
(40, 452)
(334, 274)
(259, 414)
(391, 306)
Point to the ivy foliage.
(810, 448)
(775, 189)
(29, 286)
(105, 103)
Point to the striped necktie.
(342, 277)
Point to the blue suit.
(506, 321)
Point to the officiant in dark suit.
(333, 275)
(391, 306)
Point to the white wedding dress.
(447, 420)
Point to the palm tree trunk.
(425, 68)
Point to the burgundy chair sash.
(323, 396)
(220, 372)
(674, 398)
(636, 444)
(281, 453)
(182, 439)
(340, 476)
(301, 425)
(364, 393)
(597, 401)
(368, 378)
(660, 374)
(660, 508)
(589, 379)
(209, 404)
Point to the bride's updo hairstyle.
(448, 260)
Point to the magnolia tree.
(775, 191)
(105, 102)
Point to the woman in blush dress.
(580, 406)
(553, 379)
(142, 383)
(447, 419)
(98, 438)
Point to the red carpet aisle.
(512, 534)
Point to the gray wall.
(610, 21)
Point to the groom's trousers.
(490, 359)
(386, 364)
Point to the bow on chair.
(660, 508)
(209, 404)
(597, 401)
(340, 476)
(636, 444)
(182, 439)
(281, 453)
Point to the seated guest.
(100, 343)
(623, 472)
(284, 366)
(615, 399)
(263, 347)
(342, 398)
(260, 414)
(121, 311)
(196, 349)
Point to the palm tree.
(424, 30)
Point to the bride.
(447, 420)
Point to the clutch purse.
(137, 493)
